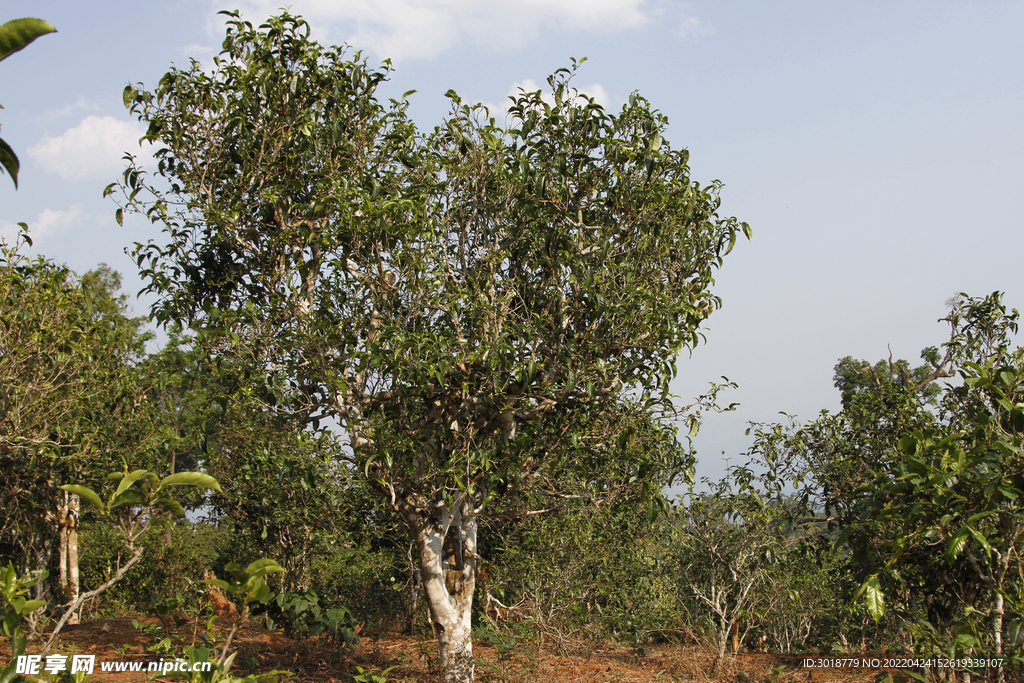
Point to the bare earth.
(413, 659)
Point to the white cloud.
(80, 103)
(203, 54)
(500, 110)
(692, 27)
(92, 149)
(403, 29)
(49, 221)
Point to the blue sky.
(875, 148)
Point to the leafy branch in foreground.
(16, 35)
(18, 607)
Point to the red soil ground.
(413, 659)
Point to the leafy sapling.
(140, 501)
(246, 587)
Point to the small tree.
(728, 538)
(465, 304)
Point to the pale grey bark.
(446, 541)
(68, 507)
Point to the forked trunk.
(447, 550)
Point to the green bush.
(172, 563)
(309, 614)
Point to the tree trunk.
(68, 506)
(997, 631)
(723, 642)
(447, 550)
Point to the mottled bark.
(68, 506)
(447, 559)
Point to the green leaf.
(980, 538)
(172, 506)
(260, 594)
(956, 544)
(17, 34)
(119, 217)
(129, 479)
(264, 566)
(9, 160)
(191, 479)
(85, 493)
(219, 583)
(874, 598)
(694, 425)
(128, 96)
(732, 242)
(129, 497)
(31, 606)
(913, 674)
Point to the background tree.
(556, 553)
(68, 401)
(729, 536)
(286, 492)
(941, 525)
(459, 302)
(919, 483)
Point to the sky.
(875, 149)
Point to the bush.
(309, 614)
(172, 562)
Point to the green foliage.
(367, 577)
(139, 502)
(307, 614)
(16, 608)
(285, 491)
(170, 561)
(921, 484)
(218, 671)
(16, 35)
(71, 406)
(729, 535)
(856, 379)
(371, 675)
(142, 489)
(351, 167)
(563, 574)
(248, 585)
(471, 305)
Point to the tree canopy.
(463, 302)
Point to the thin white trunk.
(68, 506)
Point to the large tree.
(465, 303)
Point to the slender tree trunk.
(68, 506)
(447, 550)
(997, 631)
(723, 641)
